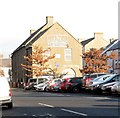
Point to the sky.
(81, 18)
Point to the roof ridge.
(86, 41)
(32, 36)
(110, 46)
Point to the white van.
(5, 93)
(32, 82)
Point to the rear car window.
(75, 80)
(32, 80)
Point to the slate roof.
(116, 45)
(86, 41)
(33, 37)
(111, 43)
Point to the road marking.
(25, 114)
(74, 112)
(63, 109)
(46, 105)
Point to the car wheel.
(10, 105)
(45, 89)
(75, 90)
(99, 92)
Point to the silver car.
(107, 87)
(97, 86)
(99, 79)
(41, 86)
(116, 87)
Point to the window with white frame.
(68, 54)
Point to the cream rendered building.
(96, 42)
(66, 48)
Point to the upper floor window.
(57, 40)
(68, 54)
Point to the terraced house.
(97, 42)
(66, 48)
(114, 46)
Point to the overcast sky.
(81, 18)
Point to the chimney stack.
(98, 35)
(49, 20)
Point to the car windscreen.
(112, 77)
(102, 77)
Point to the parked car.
(54, 84)
(88, 77)
(99, 79)
(97, 86)
(30, 84)
(62, 86)
(5, 93)
(74, 84)
(116, 87)
(41, 86)
(107, 86)
(34, 81)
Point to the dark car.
(74, 84)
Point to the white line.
(74, 112)
(46, 105)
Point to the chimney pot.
(32, 31)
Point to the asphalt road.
(54, 105)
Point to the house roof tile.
(115, 46)
(86, 41)
(33, 37)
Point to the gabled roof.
(32, 37)
(112, 46)
(86, 41)
(116, 45)
(68, 32)
(37, 36)
(44, 31)
(111, 43)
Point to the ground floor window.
(68, 54)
